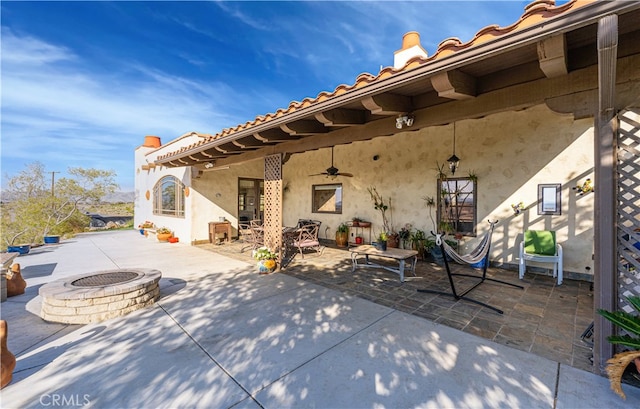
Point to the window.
(549, 199)
(326, 198)
(168, 197)
(457, 210)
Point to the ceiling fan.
(332, 171)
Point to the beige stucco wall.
(145, 180)
(216, 195)
(511, 153)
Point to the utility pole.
(53, 179)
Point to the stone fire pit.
(98, 296)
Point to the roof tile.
(533, 13)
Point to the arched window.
(168, 197)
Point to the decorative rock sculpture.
(7, 359)
(15, 282)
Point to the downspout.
(605, 247)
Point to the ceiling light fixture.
(402, 120)
(208, 165)
(454, 161)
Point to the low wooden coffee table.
(399, 255)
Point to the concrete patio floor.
(543, 318)
(222, 336)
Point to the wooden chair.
(257, 234)
(541, 246)
(308, 239)
(245, 235)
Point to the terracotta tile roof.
(535, 12)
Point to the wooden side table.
(220, 227)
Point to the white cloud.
(52, 101)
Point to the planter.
(342, 239)
(142, 232)
(173, 239)
(51, 239)
(266, 266)
(164, 236)
(380, 245)
(393, 241)
(21, 248)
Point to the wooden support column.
(605, 274)
(273, 202)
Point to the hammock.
(481, 252)
(477, 255)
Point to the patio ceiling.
(500, 69)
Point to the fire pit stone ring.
(98, 296)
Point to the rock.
(15, 282)
(7, 359)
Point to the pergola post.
(605, 251)
(273, 203)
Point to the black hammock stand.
(481, 252)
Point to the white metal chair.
(541, 246)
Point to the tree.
(32, 208)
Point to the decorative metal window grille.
(457, 208)
(168, 197)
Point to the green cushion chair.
(541, 246)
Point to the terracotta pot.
(393, 241)
(164, 236)
(6, 357)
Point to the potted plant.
(145, 225)
(379, 204)
(163, 233)
(342, 235)
(381, 241)
(405, 235)
(619, 363)
(266, 260)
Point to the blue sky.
(84, 82)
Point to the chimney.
(151, 141)
(410, 48)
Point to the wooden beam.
(552, 56)
(304, 127)
(510, 98)
(388, 104)
(454, 84)
(273, 135)
(584, 103)
(341, 117)
(229, 148)
(249, 142)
